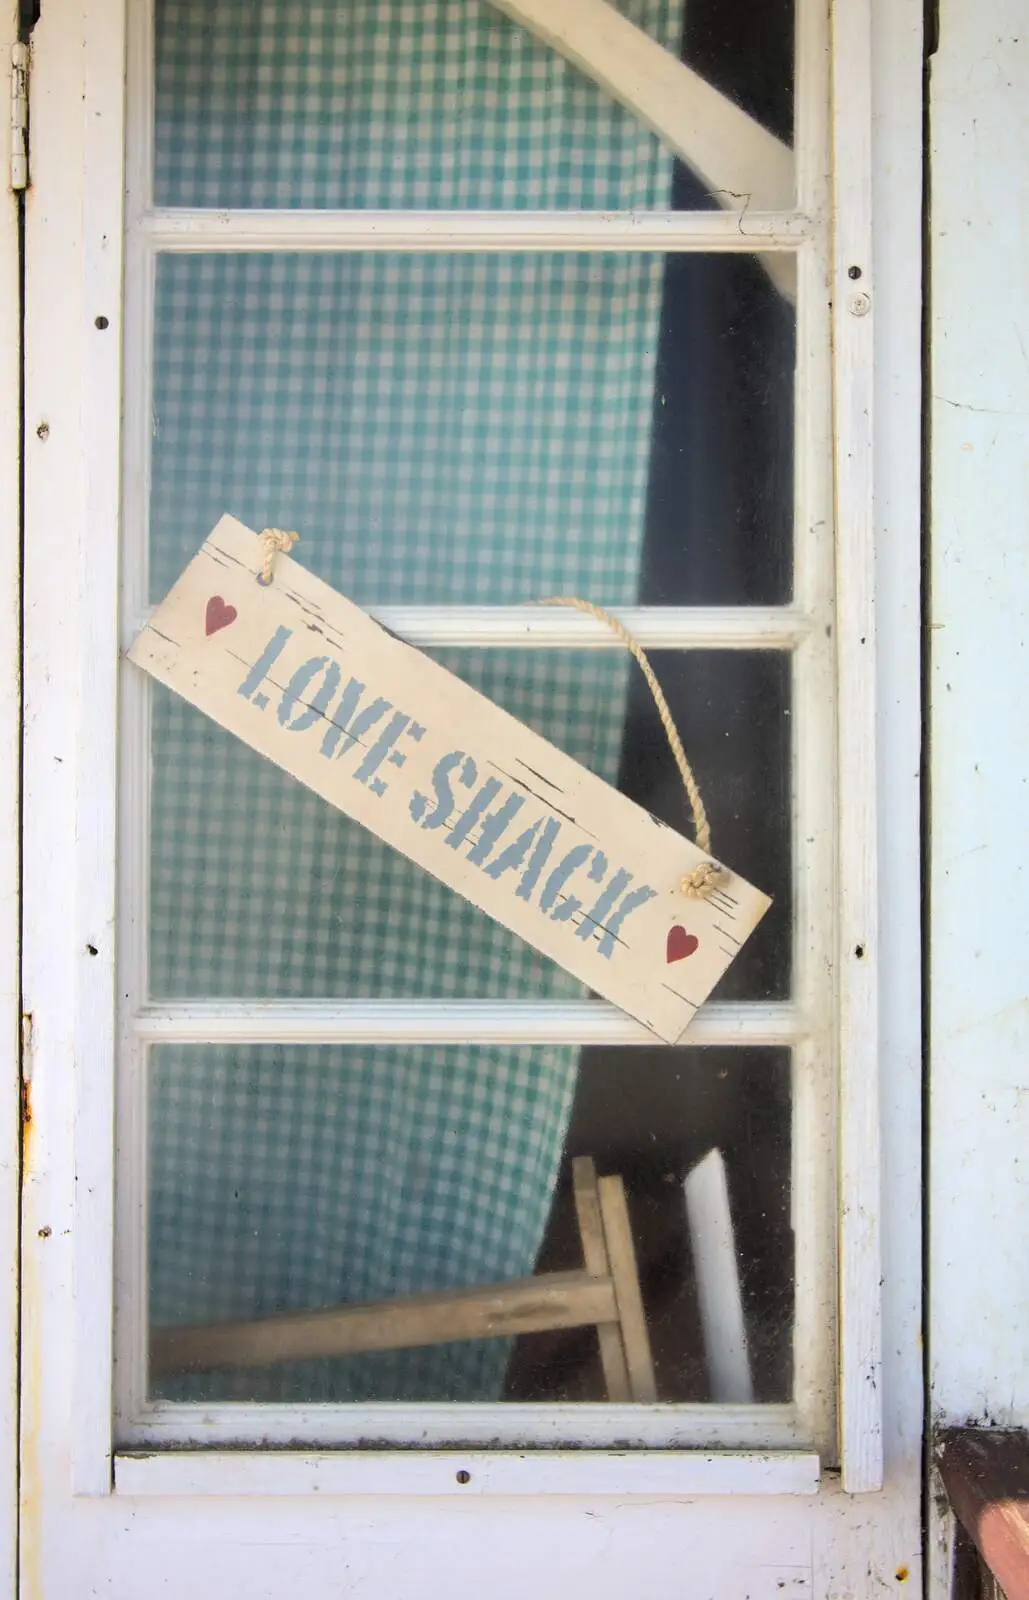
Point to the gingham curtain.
(439, 429)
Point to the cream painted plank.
(485, 805)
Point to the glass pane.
(258, 887)
(394, 103)
(289, 1179)
(448, 429)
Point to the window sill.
(469, 1473)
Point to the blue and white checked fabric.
(440, 429)
(284, 1178)
(391, 104)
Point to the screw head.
(859, 305)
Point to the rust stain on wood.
(26, 1090)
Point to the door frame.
(72, 497)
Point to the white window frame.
(847, 1233)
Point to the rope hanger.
(272, 541)
(705, 875)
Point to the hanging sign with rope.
(640, 914)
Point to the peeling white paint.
(979, 1203)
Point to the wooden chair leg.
(594, 1250)
(622, 1255)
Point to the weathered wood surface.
(598, 1265)
(493, 1311)
(986, 1475)
(631, 1317)
(458, 785)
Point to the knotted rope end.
(698, 883)
(273, 541)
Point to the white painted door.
(426, 284)
(10, 693)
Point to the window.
(410, 280)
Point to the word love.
(446, 777)
(482, 817)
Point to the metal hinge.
(19, 116)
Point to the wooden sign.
(501, 816)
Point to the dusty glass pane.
(398, 104)
(259, 887)
(448, 429)
(289, 1179)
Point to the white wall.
(979, 1098)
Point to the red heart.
(218, 615)
(681, 944)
